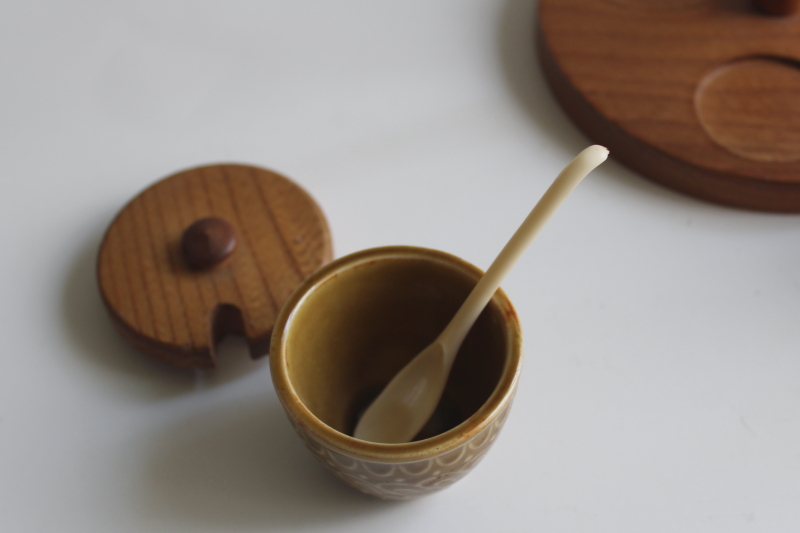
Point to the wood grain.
(176, 313)
(746, 106)
(644, 81)
(778, 7)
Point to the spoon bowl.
(412, 397)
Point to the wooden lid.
(207, 252)
(700, 95)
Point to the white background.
(661, 389)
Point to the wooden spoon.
(408, 401)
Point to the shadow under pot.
(352, 325)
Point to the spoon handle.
(453, 335)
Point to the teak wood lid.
(700, 95)
(207, 252)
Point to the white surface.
(661, 390)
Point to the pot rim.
(405, 452)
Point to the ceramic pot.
(352, 325)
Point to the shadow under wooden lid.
(208, 252)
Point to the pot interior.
(358, 327)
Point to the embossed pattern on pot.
(403, 481)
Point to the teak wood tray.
(702, 96)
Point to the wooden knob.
(778, 7)
(207, 242)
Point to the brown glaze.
(178, 314)
(355, 323)
(207, 242)
(642, 78)
(370, 321)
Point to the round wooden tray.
(700, 95)
(174, 286)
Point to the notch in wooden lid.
(207, 252)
